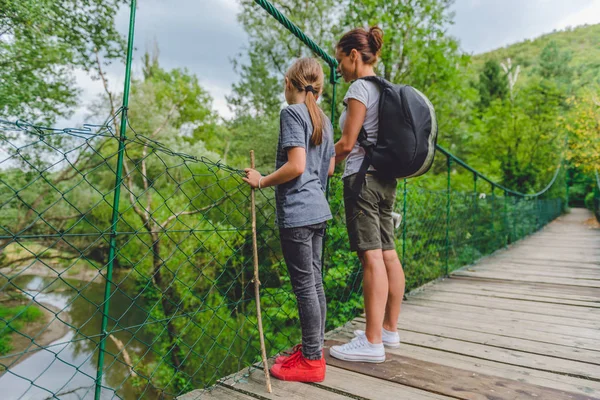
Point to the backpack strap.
(364, 167)
(365, 144)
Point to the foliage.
(583, 126)
(13, 319)
(493, 84)
(40, 43)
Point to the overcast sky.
(204, 36)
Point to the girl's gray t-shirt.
(302, 201)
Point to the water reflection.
(69, 363)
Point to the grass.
(12, 319)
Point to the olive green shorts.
(369, 216)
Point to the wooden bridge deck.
(522, 324)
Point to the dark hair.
(367, 43)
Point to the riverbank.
(53, 271)
(36, 335)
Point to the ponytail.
(306, 75)
(316, 117)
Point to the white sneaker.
(359, 349)
(389, 339)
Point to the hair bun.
(375, 39)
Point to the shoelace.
(355, 343)
(293, 360)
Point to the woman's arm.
(292, 169)
(331, 166)
(355, 118)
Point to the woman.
(369, 213)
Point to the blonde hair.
(303, 73)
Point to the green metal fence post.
(449, 162)
(506, 227)
(475, 205)
(404, 225)
(493, 212)
(115, 206)
(333, 81)
(514, 227)
(537, 214)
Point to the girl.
(369, 214)
(305, 157)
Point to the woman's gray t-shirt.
(368, 93)
(301, 201)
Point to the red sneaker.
(300, 369)
(296, 350)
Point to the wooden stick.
(257, 286)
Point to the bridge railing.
(167, 286)
(126, 264)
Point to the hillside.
(582, 42)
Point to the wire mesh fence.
(160, 300)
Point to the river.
(68, 365)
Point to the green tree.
(583, 126)
(493, 84)
(41, 41)
(554, 64)
(258, 96)
(521, 139)
(418, 51)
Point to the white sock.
(373, 345)
(386, 332)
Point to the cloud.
(484, 25)
(203, 36)
(587, 15)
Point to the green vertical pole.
(404, 225)
(449, 162)
(515, 238)
(493, 213)
(475, 205)
(115, 210)
(506, 228)
(537, 214)
(567, 184)
(333, 81)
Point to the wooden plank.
(522, 296)
(590, 327)
(367, 387)
(410, 319)
(507, 356)
(557, 272)
(253, 382)
(551, 264)
(525, 306)
(527, 375)
(528, 278)
(509, 321)
(530, 254)
(558, 288)
(516, 292)
(502, 341)
(537, 260)
(533, 271)
(453, 382)
(534, 289)
(215, 393)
